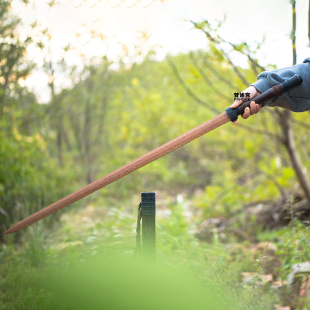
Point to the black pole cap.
(148, 203)
(148, 197)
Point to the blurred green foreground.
(124, 284)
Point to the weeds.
(80, 242)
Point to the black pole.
(148, 225)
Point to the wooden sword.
(229, 115)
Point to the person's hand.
(255, 108)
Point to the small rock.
(250, 276)
(62, 246)
(304, 289)
(237, 248)
(269, 247)
(86, 219)
(247, 276)
(300, 268)
(279, 307)
(278, 284)
(267, 278)
(90, 239)
(89, 209)
(207, 228)
(76, 243)
(211, 222)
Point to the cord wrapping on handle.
(274, 91)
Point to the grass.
(89, 256)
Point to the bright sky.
(167, 25)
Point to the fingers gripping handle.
(276, 90)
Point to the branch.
(188, 90)
(293, 35)
(215, 72)
(253, 63)
(206, 79)
(309, 22)
(302, 124)
(242, 78)
(199, 101)
(260, 131)
(273, 179)
(233, 187)
(249, 205)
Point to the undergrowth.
(81, 240)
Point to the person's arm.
(296, 99)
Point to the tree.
(28, 177)
(12, 51)
(284, 131)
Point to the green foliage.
(294, 246)
(103, 271)
(109, 118)
(12, 51)
(29, 179)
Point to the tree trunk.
(293, 32)
(289, 143)
(285, 123)
(59, 147)
(309, 22)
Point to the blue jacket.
(296, 99)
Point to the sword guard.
(233, 113)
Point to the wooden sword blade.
(123, 171)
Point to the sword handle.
(275, 90)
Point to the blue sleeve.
(297, 99)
